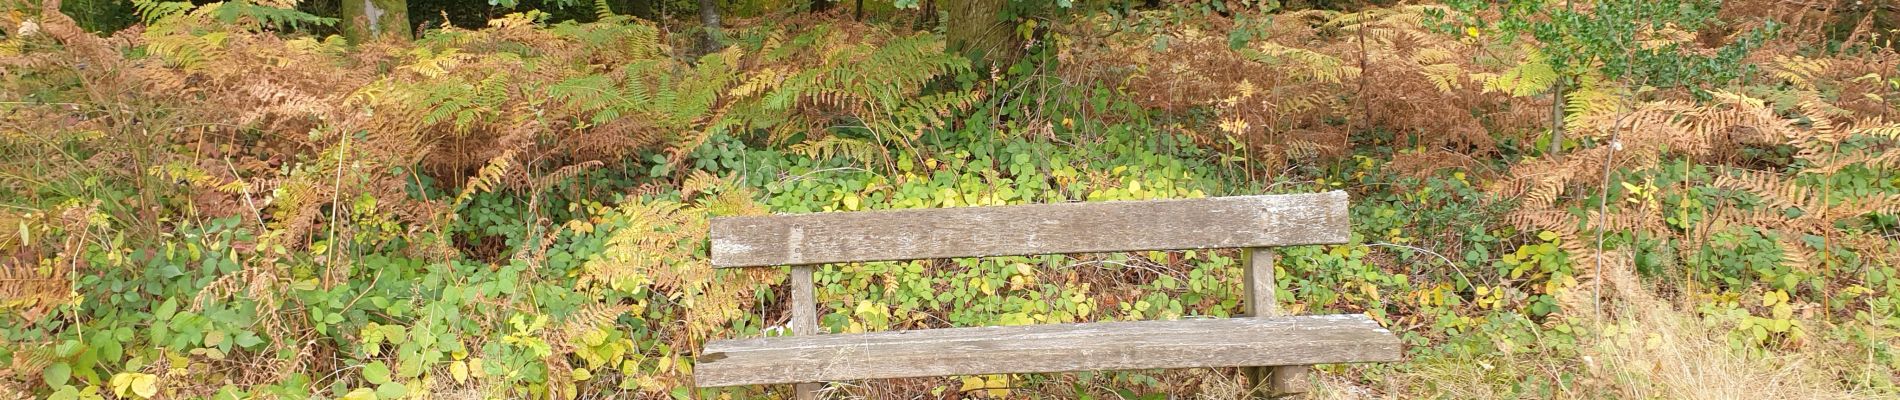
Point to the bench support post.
(804, 320)
(1258, 286)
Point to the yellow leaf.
(1471, 31)
(971, 383)
(851, 201)
(360, 394)
(145, 385)
(459, 370)
(122, 383)
(998, 386)
(475, 368)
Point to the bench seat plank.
(1064, 228)
(1227, 342)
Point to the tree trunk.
(709, 16)
(1556, 146)
(371, 20)
(976, 29)
(926, 16)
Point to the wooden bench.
(1274, 349)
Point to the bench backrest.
(1219, 222)
(1250, 222)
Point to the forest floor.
(218, 204)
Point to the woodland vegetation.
(1551, 199)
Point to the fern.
(566, 173)
(879, 87)
(1310, 64)
(450, 102)
(489, 178)
(1532, 76)
(239, 13)
(585, 321)
(266, 16)
(26, 361)
(603, 10)
(24, 286)
(1798, 70)
(150, 11)
(1448, 77)
(831, 147)
(1591, 99)
(184, 50)
(1889, 132)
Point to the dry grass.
(1649, 350)
(1657, 351)
(1665, 354)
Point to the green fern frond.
(1798, 70)
(1311, 65)
(1530, 77)
(1888, 131)
(1447, 77)
(259, 16)
(488, 178)
(603, 10)
(831, 147)
(150, 11)
(1590, 99)
(449, 101)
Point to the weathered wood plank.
(804, 302)
(1257, 283)
(1220, 222)
(804, 320)
(1228, 342)
(1261, 301)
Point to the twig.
(1454, 266)
(255, 212)
(1603, 210)
(336, 190)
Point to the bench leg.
(1267, 382)
(804, 321)
(806, 391)
(1276, 382)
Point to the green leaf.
(376, 372)
(67, 349)
(106, 347)
(391, 390)
(248, 339)
(165, 310)
(57, 374)
(214, 337)
(65, 393)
